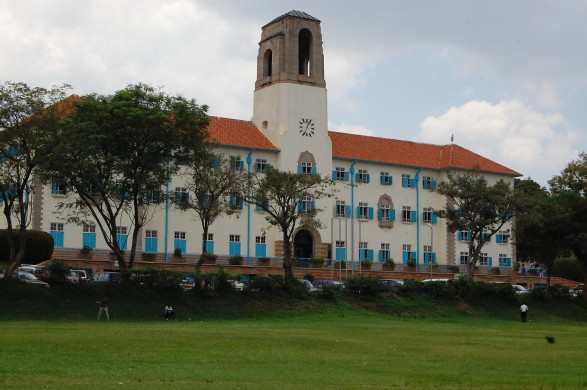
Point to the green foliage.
(86, 249)
(267, 284)
(219, 280)
(208, 257)
(454, 269)
(154, 278)
(177, 252)
(389, 263)
(364, 285)
(235, 260)
(58, 270)
(411, 263)
(317, 260)
(149, 256)
(366, 263)
(495, 271)
(569, 268)
(38, 246)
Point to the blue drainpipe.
(249, 161)
(167, 217)
(352, 173)
(418, 218)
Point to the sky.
(505, 79)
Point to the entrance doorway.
(303, 244)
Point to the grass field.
(313, 345)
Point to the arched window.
(305, 46)
(268, 63)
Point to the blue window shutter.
(490, 261)
(413, 255)
(260, 250)
(368, 178)
(300, 169)
(217, 162)
(392, 214)
(210, 246)
(358, 213)
(370, 254)
(413, 216)
(241, 164)
(405, 182)
(357, 178)
(498, 238)
(434, 218)
(509, 261)
(405, 257)
(177, 198)
(370, 212)
(314, 170)
(121, 238)
(433, 258)
(347, 211)
(340, 254)
(300, 206)
(345, 176)
(54, 186)
(413, 183)
(433, 185)
(335, 175)
(381, 259)
(380, 214)
(57, 239)
(312, 205)
(89, 240)
(382, 180)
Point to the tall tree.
(475, 207)
(288, 199)
(571, 185)
(28, 121)
(216, 185)
(117, 151)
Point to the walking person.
(523, 311)
(103, 307)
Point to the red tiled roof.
(234, 132)
(391, 151)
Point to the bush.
(389, 263)
(340, 264)
(495, 271)
(154, 278)
(364, 285)
(411, 263)
(149, 256)
(317, 260)
(219, 280)
(177, 252)
(208, 257)
(558, 291)
(38, 246)
(366, 264)
(569, 268)
(235, 260)
(266, 283)
(454, 269)
(57, 271)
(86, 249)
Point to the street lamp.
(431, 247)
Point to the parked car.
(519, 289)
(308, 285)
(391, 283)
(81, 275)
(440, 280)
(238, 286)
(321, 284)
(30, 278)
(106, 277)
(187, 284)
(578, 290)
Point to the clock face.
(307, 127)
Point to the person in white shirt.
(169, 313)
(523, 311)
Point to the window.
(305, 50)
(179, 242)
(181, 196)
(384, 214)
(342, 211)
(429, 216)
(260, 246)
(89, 236)
(268, 63)
(407, 181)
(464, 236)
(340, 174)
(503, 237)
(384, 253)
(486, 236)
(236, 202)
(504, 261)
(407, 215)
(428, 183)
(484, 260)
(362, 176)
(150, 240)
(121, 237)
(58, 187)
(261, 165)
(236, 163)
(364, 252)
(210, 243)
(154, 197)
(407, 254)
(306, 168)
(364, 211)
(305, 205)
(464, 258)
(340, 250)
(57, 234)
(429, 256)
(234, 245)
(385, 179)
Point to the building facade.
(384, 200)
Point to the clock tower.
(290, 92)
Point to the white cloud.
(351, 129)
(509, 132)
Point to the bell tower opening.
(268, 63)
(305, 50)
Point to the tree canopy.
(115, 152)
(476, 208)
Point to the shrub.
(558, 291)
(154, 278)
(411, 263)
(317, 260)
(389, 263)
(177, 252)
(569, 268)
(340, 264)
(149, 256)
(235, 260)
(219, 280)
(86, 249)
(495, 271)
(38, 246)
(208, 257)
(454, 269)
(58, 270)
(516, 266)
(266, 283)
(264, 259)
(366, 264)
(364, 285)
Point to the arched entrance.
(303, 244)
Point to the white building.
(382, 208)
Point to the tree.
(216, 185)
(475, 207)
(116, 152)
(28, 121)
(541, 223)
(288, 198)
(571, 186)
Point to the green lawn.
(321, 348)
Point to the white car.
(238, 286)
(519, 289)
(308, 285)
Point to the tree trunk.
(287, 262)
